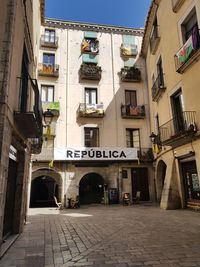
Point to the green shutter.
(128, 39)
(88, 58)
(129, 62)
(90, 35)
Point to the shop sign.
(13, 153)
(95, 153)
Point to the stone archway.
(44, 186)
(160, 178)
(91, 188)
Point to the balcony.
(48, 70)
(90, 46)
(47, 154)
(145, 154)
(91, 110)
(154, 40)
(29, 120)
(158, 88)
(189, 52)
(90, 72)
(176, 5)
(132, 112)
(179, 130)
(53, 106)
(128, 50)
(46, 41)
(130, 74)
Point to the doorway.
(91, 188)
(191, 182)
(139, 178)
(43, 190)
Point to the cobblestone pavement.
(104, 236)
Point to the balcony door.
(49, 36)
(49, 59)
(160, 73)
(90, 96)
(130, 98)
(177, 109)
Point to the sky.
(126, 13)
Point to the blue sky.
(127, 13)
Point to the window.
(90, 95)
(160, 72)
(130, 98)
(49, 36)
(49, 59)
(47, 92)
(189, 25)
(177, 109)
(23, 97)
(91, 137)
(133, 138)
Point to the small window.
(49, 36)
(90, 95)
(47, 92)
(160, 72)
(133, 138)
(91, 137)
(130, 98)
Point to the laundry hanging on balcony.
(186, 50)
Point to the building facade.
(20, 109)
(171, 48)
(92, 79)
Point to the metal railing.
(47, 69)
(178, 126)
(145, 154)
(91, 110)
(48, 41)
(158, 87)
(187, 52)
(132, 111)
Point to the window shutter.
(90, 35)
(88, 58)
(128, 39)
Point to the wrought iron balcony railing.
(90, 72)
(48, 41)
(46, 69)
(130, 74)
(158, 87)
(189, 52)
(178, 128)
(29, 118)
(154, 40)
(132, 112)
(146, 154)
(91, 110)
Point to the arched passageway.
(91, 188)
(160, 178)
(43, 190)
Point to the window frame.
(90, 140)
(130, 135)
(90, 89)
(47, 86)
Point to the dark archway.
(91, 188)
(43, 190)
(161, 173)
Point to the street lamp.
(48, 117)
(153, 137)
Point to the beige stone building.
(20, 109)
(92, 79)
(171, 48)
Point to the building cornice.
(55, 23)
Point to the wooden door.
(139, 177)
